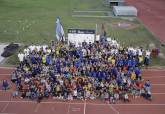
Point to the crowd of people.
(103, 69)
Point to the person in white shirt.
(26, 51)
(147, 58)
(48, 50)
(148, 53)
(38, 48)
(70, 97)
(27, 80)
(84, 52)
(134, 51)
(44, 48)
(75, 93)
(112, 51)
(32, 47)
(87, 95)
(140, 52)
(21, 57)
(116, 51)
(126, 99)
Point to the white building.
(125, 11)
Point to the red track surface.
(152, 13)
(10, 105)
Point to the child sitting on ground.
(5, 85)
(15, 94)
(126, 99)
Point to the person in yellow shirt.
(109, 58)
(113, 61)
(26, 68)
(44, 59)
(85, 88)
(111, 88)
(140, 60)
(133, 76)
(57, 51)
(89, 85)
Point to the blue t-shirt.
(93, 74)
(5, 84)
(137, 71)
(40, 59)
(114, 71)
(147, 85)
(47, 60)
(134, 62)
(120, 62)
(78, 63)
(125, 62)
(129, 62)
(33, 60)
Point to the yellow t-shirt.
(26, 68)
(111, 87)
(110, 59)
(113, 61)
(140, 59)
(44, 59)
(85, 87)
(89, 85)
(133, 75)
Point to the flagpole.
(96, 32)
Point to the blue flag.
(59, 30)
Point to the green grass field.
(33, 21)
(21, 20)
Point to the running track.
(152, 13)
(9, 105)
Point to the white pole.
(96, 32)
(96, 29)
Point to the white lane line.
(5, 107)
(102, 104)
(85, 106)
(52, 109)
(37, 107)
(158, 93)
(5, 74)
(145, 70)
(7, 113)
(158, 84)
(149, 77)
(68, 109)
(6, 91)
(114, 109)
(8, 68)
(127, 104)
(76, 109)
